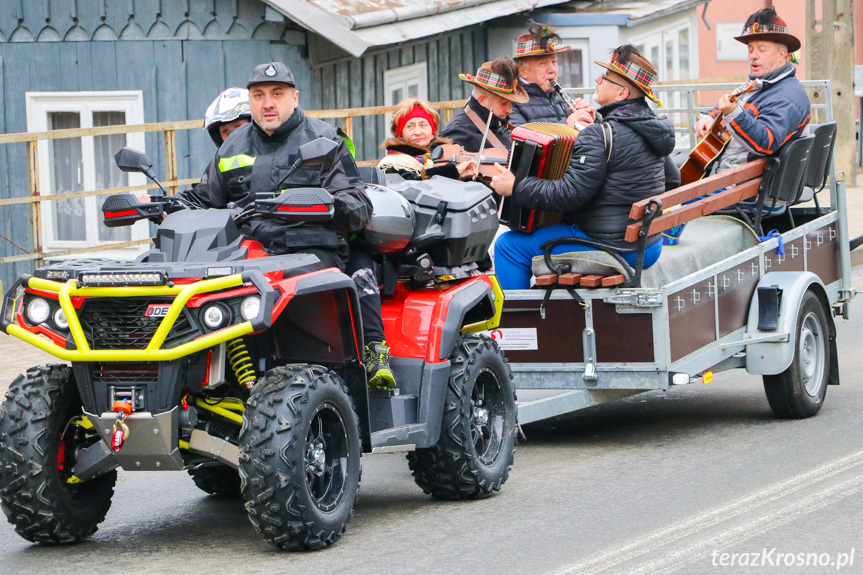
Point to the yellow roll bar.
(153, 351)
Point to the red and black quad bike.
(207, 354)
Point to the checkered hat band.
(530, 47)
(493, 81)
(634, 72)
(757, 28)
(638, 75)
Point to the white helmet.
(230, 105)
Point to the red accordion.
(542, 150)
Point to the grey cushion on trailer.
(592, 262)
(704, 242)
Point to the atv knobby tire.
(799, 391)
(34, 492)
(472, 458)
(300, 457)
(218, 480)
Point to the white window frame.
(39, 106)
(582, 44)
(658, 39)
(727, 48)
(402, 77)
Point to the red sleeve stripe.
(748, 139)
(749, 106)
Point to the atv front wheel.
(41, 432)
(471, 460)
(300, 457)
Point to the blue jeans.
(514, 251)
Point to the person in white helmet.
(227, 112)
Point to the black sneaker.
(377, 360)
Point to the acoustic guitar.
(711, 145)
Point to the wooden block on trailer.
(611, 281)
(570, 279)
(591, 281)
(546, 280)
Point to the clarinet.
(570, 101)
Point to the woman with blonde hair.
(414, 128)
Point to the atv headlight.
(38, 310)
(60, 319)
(214, 316)
(250, 307)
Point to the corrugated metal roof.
(636, 11)
(357, 25)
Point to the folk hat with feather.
(499, 77)
(540, 40)
(628, 62)
(766, 25)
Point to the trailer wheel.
(300, 457)
(41, 432)
(218, 480)
(799, 391)
(472, 458)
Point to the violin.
(713, 143)
(453, 153)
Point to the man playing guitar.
(776, 109)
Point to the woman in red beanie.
(414, 127)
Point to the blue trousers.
(514, 251)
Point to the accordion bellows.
(542, 150)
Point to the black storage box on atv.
(464, 212)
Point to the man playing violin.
(777, 109)
(495, 89)
(536, 53)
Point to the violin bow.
(482, 143)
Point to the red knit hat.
(416, 112)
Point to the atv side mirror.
(131, 160)
(317, 152)
(314, 153)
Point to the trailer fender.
(772, 357)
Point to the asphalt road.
(657, 483)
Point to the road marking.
(677, 531)
(700, 550)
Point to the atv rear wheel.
(41, 432)
(471, 460)
(300, 457)
(218, 480)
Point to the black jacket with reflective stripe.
(250, 161)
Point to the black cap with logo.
(271, 72)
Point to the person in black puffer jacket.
(615, 162)
(536, 53)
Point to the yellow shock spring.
(241, 362)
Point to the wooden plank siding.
(180, 55)
(359, 82)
